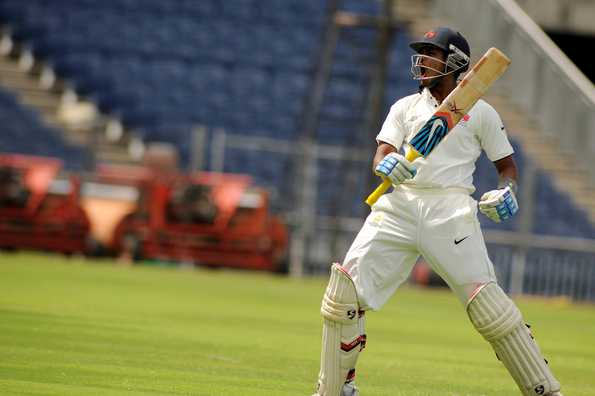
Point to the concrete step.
(587, 203)
(19, 80)
(27, 87)
(94, 136)
(544, 151)
(41, 101)
(118, 156)
(53, 118)
(10, 66)
(78, 138)
(411, 10)
(575, 185)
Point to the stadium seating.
(24, 132)
(554, 213)
(246, 66)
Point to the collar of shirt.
(429, 98)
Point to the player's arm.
(382, 151)
(392, 165)
(501, 204)
(507, 170)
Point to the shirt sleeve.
(492, 135)
(392, 131)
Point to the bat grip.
(411, 155)
(378, 192)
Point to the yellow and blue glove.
(500, 204)
(395, 168)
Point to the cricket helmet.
(454, 45)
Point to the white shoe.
(555, 394)
(350, 389)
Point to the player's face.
(431, 64)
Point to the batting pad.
(342, 333)
(499, 321)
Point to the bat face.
(433, 131)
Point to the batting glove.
(396, 168)
(499, 204)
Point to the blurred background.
(240, 133)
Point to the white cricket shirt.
(452, 162)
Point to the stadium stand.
(246, 66)
(554, 213)
(24, 132)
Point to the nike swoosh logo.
(457, 241)
(437, 124)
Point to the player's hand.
(396, 168)
(499, 204)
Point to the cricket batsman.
(430, 212)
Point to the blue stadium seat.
(24, 132)
(361, 7)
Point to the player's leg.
(499, 321)
(467, 269)
(382, 256)
(343, 334)
(452, 243)
(374, 266)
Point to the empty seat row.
(24, 132)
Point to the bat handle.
(411, 155)
(378, 192)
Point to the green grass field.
(80, 327)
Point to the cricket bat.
(454, 107)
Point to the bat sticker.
(452, 107)
(430, 134)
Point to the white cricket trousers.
(440, 224)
